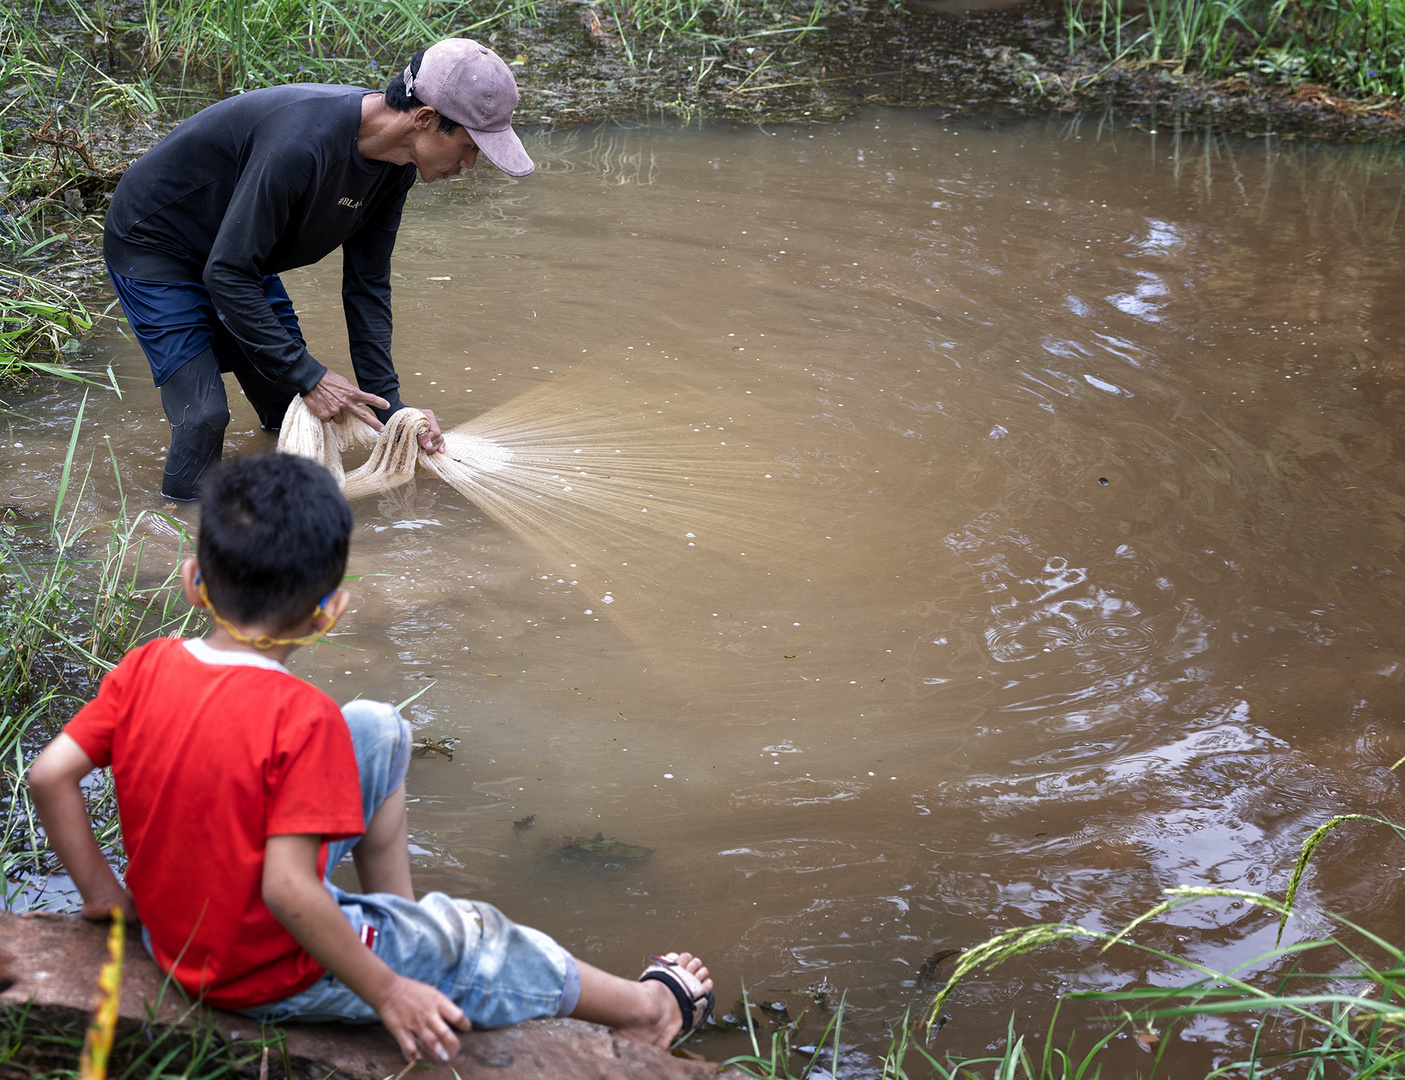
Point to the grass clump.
(1354, 46)
(1346, 1019)
(42, 1045)
(73, 599)
(1343, 1018)
(52, 176)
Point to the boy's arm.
(410, 1010)
(53, 785)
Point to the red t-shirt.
(209, 759)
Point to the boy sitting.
(239, 787)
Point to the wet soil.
(1011, 61)
(1005, 62)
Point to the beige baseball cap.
(470, 84)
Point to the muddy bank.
(576, 67)
(1011, 61)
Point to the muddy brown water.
(1078, 569)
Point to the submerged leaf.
(599, 849)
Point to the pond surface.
(1066, 463)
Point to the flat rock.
(53, 961)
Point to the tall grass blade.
(67, 472)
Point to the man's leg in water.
(174, 322)
(195, 404)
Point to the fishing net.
(395, 455)
(579, 473)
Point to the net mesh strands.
(647, 510)
(558, 467)
(589, 474)
(395, 452)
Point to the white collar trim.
(206, 653)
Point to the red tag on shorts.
(368, 935)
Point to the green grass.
(1345, 1019)
(42, 323)
(74, 598)
(1354, 46)
(42, 1047)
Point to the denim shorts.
(496, 971)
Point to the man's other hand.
(418, 1015)
(333, 398)
(431, 441)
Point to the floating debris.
(775, 1015)
(819, 992)
(443, 747)
(927, 973)
(597, 850)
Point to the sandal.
(694, 1002)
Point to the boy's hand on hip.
(418, 1015)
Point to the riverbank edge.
(1013, 62)
(54, 961)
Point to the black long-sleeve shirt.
(258, 184)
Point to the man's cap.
(470, 84)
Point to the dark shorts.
(189, 349)
(175, 321)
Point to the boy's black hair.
(274, 533)
(400, 101)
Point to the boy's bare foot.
(679, 997)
